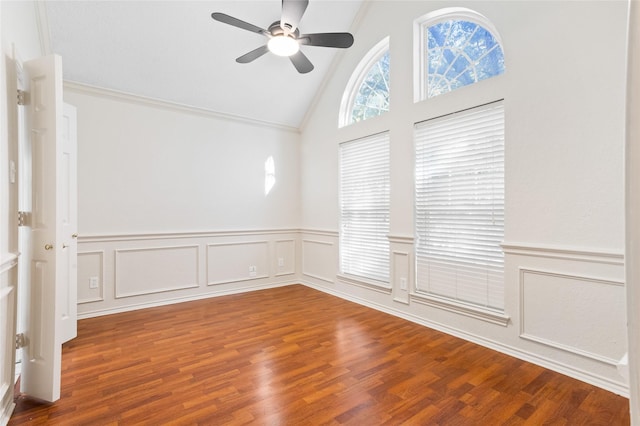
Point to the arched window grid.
(363, 97)
(433, 80)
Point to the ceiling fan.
(285, 38)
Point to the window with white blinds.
(460, 206)
(364, 207)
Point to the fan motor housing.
(275, 30)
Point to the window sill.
(488, 315)
(379, 286)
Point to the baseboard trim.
(6, 413)
(618, 388)
(173, 300)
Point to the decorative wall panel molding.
(401, 239)
(323, 232)
(379, 286)
(471, 311)
(90, 267)
(148, 270)
(7, 335)
(285, 257)
(318, 258)
(237, 261)
(582, 255)
(401, 276)
(181, 265)
(575, 313)
(548, 362)
(9, 261)
(181, 235)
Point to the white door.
(51, 317)
(68, 197)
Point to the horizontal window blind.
(364, 207)
(460, 206)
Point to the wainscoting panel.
(401, 267)
(90, 276)
(285, 257)
(401, 275)
(564, 310)
(8, 282)
(118, 273)
(153, 270)
(234, 262)
(318, 258)
(584, 316)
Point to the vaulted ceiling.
(174, 51)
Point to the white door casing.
(51, 317)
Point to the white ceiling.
(174, 51)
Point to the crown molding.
(43, 27)
(168, 105)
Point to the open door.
(51, 319)
(68, 197)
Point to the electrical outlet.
(281, 262)
(253, 271)
(93, 282)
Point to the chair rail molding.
(565, 253)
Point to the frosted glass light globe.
(283, 45)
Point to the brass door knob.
(48, 246)
(74, 235)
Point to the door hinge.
(23, 97)
(24, 218)
(21, 340)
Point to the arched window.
(458, 47)
(459, 167)
(367, 92)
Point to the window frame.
(357, 78)
(349, 276)
(420, 25)
(493, 315)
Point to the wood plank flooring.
(297, 356)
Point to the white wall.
(564, 238)
(150, 167)
(632, 169)
(173, 204)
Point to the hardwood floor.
(297, 356)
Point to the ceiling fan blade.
(253, 55)
(342, 40)
(238, 23)
(301, 62)
(292, 11)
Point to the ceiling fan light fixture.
(284, 38)
(283, 45)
